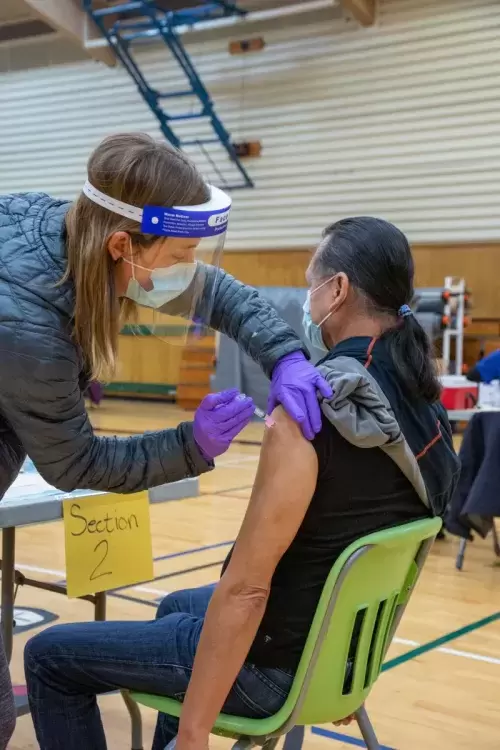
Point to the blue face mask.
(313, 330)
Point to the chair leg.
(461, 554)
(135, 720)
(244, 743)
(294, 739)
(367, 731)
(270, 744)
(496, 542)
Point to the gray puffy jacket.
(42, 377)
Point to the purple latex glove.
(295, 385)
(198, 328)
(218, 419)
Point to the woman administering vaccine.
(71, 275)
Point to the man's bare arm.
(285, 483)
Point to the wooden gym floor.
(446, 698)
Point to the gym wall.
(476, 262)
(400, 120)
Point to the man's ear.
(119, 245)
(340, 290)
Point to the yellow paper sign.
(108, 542)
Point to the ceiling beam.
(67, 17)
(363, 11)
(252, 22)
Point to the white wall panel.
(401, 120)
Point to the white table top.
(30, 500)
(463, 415)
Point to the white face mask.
(168, 284)
(313, 330)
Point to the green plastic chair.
(360, 608)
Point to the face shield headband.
(207, 219)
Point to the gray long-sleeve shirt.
(42, 409)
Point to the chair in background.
(463, 546)
(476, 501)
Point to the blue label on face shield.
(174, 222)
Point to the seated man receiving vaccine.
(235, 646)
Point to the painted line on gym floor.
(229, 496)
(44, 571)
(133, 599)
(195, 568)
(192, 550)
(227, 493)
(452, 652)
(148, 590)
(469, 655)
(223, 463)
(438, 642)
(343, 738)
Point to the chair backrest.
(360, 607)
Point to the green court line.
(154, 389)
(437, 642)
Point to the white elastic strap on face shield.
(112, 204)
(203, 220)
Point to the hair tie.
(404, 311)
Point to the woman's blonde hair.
(135, 169)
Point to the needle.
(259, 413)
(269, 421)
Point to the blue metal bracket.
(124, 23)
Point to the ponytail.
(411, 352)
(376, 257)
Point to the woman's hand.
(218, 419)
(295, 384)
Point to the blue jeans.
(67, 666)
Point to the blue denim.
(67, 666)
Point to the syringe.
(259, 413)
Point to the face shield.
(174, 284)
